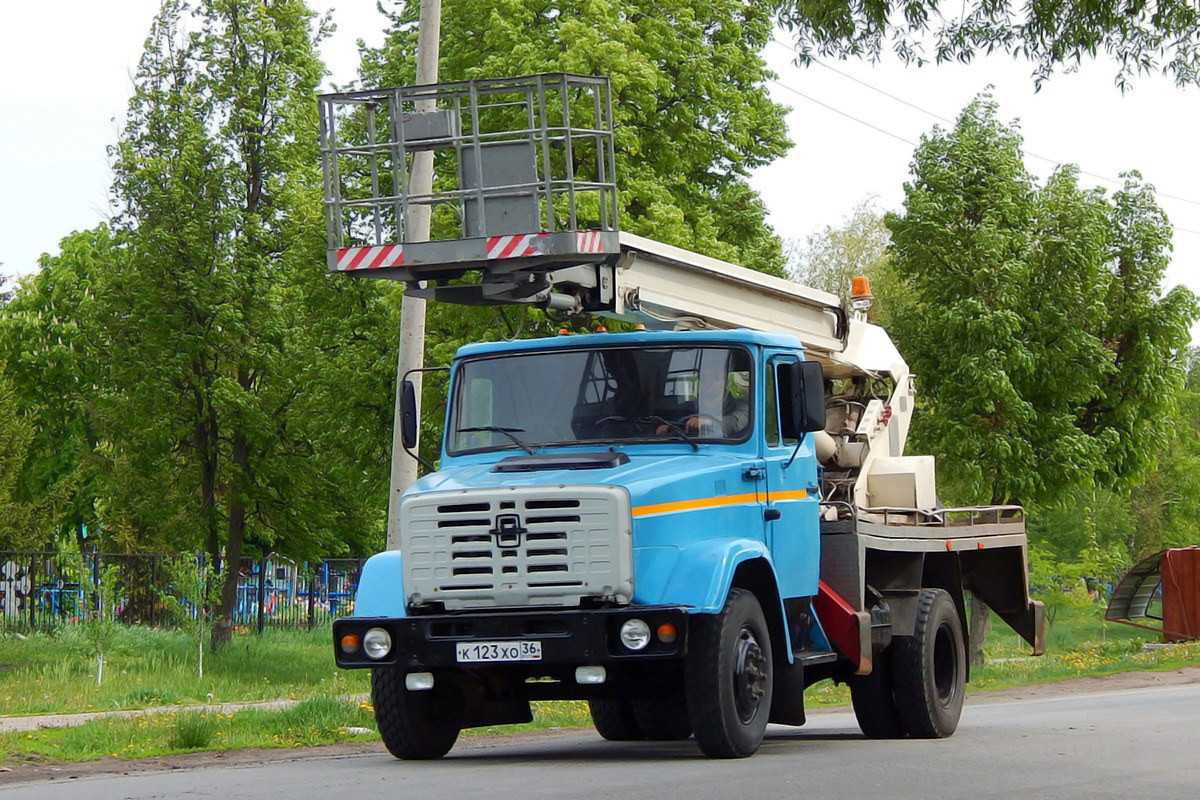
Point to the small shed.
(1164, 589)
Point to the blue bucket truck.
(685, 524)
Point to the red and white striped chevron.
(513, 245)
(386, 255)
(588, 241)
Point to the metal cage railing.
(516, 156)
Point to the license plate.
(472, 652)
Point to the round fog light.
(377, 643)
(635, 634)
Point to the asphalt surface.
(1130, 744)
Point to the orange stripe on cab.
(712, 502)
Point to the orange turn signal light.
(562, 331)
(860, 287)
(350, 643)
(639, 327)
(601, 329)
(666, 633)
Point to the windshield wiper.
(497, 429)
(674, 427)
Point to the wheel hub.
(749, 675)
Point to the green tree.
(16, 522)
(1142, 37)
(192, 596)
(860, 245)
(1166, 505)
(239, 370)
(1036, 322)
(99, 618)
(690, 103)
(54, 356)
(1020, 297)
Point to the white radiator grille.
(536, 545)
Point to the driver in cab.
(722, 406)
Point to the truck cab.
(594, 493)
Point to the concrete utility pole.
(412, 309)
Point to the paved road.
(1138, 743)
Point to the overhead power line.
(1056, 162)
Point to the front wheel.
(729, 677)
(414, 726)
(930, 668)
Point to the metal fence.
(44, 590)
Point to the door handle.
(771, 514)
(754, 473)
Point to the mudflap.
(787, 704)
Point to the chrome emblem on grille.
(507, 530)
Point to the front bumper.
(568, 637)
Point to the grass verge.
(54, 673)
(312, 722)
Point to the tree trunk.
(981, 623)
(223, 630)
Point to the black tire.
(663, 719)
(874, 704)
(614, 719)
(930, 668)
(414, 726)
(729, 677)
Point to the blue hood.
(653, 474)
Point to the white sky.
(67, 67)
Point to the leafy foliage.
(1142, 37)
(246, 385)
(15, 433)
(690, 104)
(860, 245)
(1045, 347)
(51, 351)
(99, 621)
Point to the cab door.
(792, 507)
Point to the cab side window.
(781, 371)
(772, 414)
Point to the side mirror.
(808, 397)
(408, 415)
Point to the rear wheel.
(729, 677)
(930, 668)
(413, 725)
(874, 704)
(614, 719)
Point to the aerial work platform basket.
(523, 174)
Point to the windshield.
(616, 394)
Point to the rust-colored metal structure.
(1165, 588)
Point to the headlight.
(377, 643)
(635, 634)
